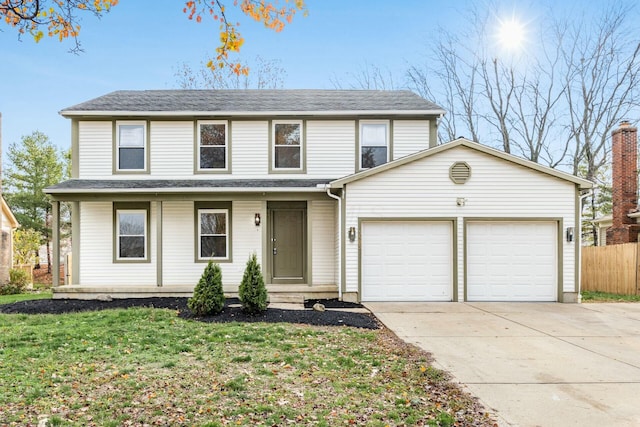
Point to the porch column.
(55, 242)
(159, 243)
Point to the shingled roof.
(253, 102)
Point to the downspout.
(579, 234)
(339, 199)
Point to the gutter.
(339, 199)
(579, 255)
(191, 113)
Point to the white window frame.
(226, 145)
(363, 123)
(144, 145)
(273, 144)
(144, 213)
(200, 235)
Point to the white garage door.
(512, 261)
(407, 261)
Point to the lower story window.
(213, 236)
(131, 230)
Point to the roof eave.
(126, 113)
(187, 190)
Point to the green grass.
(135, 366)
(8, 299)
(596, 296)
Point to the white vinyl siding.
(250, 150)
(323, 240)
(95, 150)
(497, 188)
(179, 237)
(409, 136)
(171, 149)
(331, 148)
(96, 255)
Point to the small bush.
(208, 296)
(252, 292)
(18, 281)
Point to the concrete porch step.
(286, 298)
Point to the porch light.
(352, 234)
(569, 234)
(256, 219)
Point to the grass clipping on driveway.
(146, 366)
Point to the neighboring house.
(339, 193)
(602, 224)
(8, 223)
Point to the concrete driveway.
(533, 364)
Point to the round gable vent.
(459, 172)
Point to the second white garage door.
(512, 261)
(407, 261)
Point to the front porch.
(277, 293)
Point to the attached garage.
(512, 261)
(460, 222)
(407, 260)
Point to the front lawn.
(148, 366)
(8, 299)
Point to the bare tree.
(457, 86)
(557, 106)
(602, 75)
(368, 77)
(265, 74)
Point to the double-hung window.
(131, 234)
(213, 234)
(287, 145)
(374, 144)
(131, 146)
(213, 146)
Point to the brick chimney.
(624, 184)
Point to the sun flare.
(511, 34)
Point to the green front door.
(288, 254)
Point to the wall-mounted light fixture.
(256, 219)
(569, 234)
(461, 201)
(352, 234)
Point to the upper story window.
(287, 145)
(131, 143)
(374, 144)
(213, 145)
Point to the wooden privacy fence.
(611, 269)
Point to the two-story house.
(339, 193)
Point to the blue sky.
(136, 47)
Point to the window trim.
(145, 208)
(389, 145)
(272, 146)
(116, 146)
(225, 207)
(227, 146)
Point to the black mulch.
(232, 311)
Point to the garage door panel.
(406, 261)
(511, 261)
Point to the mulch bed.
(231, 313)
